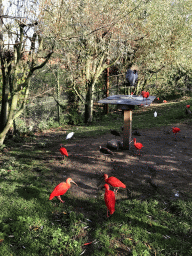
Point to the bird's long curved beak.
(74, 183)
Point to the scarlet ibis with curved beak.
(114, 182)
(63, 151)
(175, 130)
(145, 95)
(138, 145)
(61, 189)
(109, 198)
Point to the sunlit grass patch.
(30, 224)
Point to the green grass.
(30, 224)
(142, 118)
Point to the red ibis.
(145, 95)
(63, 151)
(114, 182)
(138, 145)
(175, 130)
(109, 198)
(61, 189)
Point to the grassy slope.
(31, 225)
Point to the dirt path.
(164, 167)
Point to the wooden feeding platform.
(127, 103)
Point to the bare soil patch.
(163, 169)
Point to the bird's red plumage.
(145, 94)
(137, 144)
(63, 151)
(60, 189)
(109, 198)
(175, 130)
(114, 182)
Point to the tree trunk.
(4, 107)
(89, 103)
(5, 92)
(106, 106)
(1, 22)
(10, 118)
(58, 96)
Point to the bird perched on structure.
(145, 95)
(116, 133)
(131, 76)
(69, 135)
(63, 151)
(109, 198)
(114, 182)
(61, 189)
(105, 151)
(175, 130)
(138, 145)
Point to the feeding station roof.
(127, 103)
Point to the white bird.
(155, 114)
(69, 135)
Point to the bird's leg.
(107, 213)
(60, 199)
(115, 190)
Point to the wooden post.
(127, 132)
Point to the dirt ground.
(164, 167)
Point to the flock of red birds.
(109, 195)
